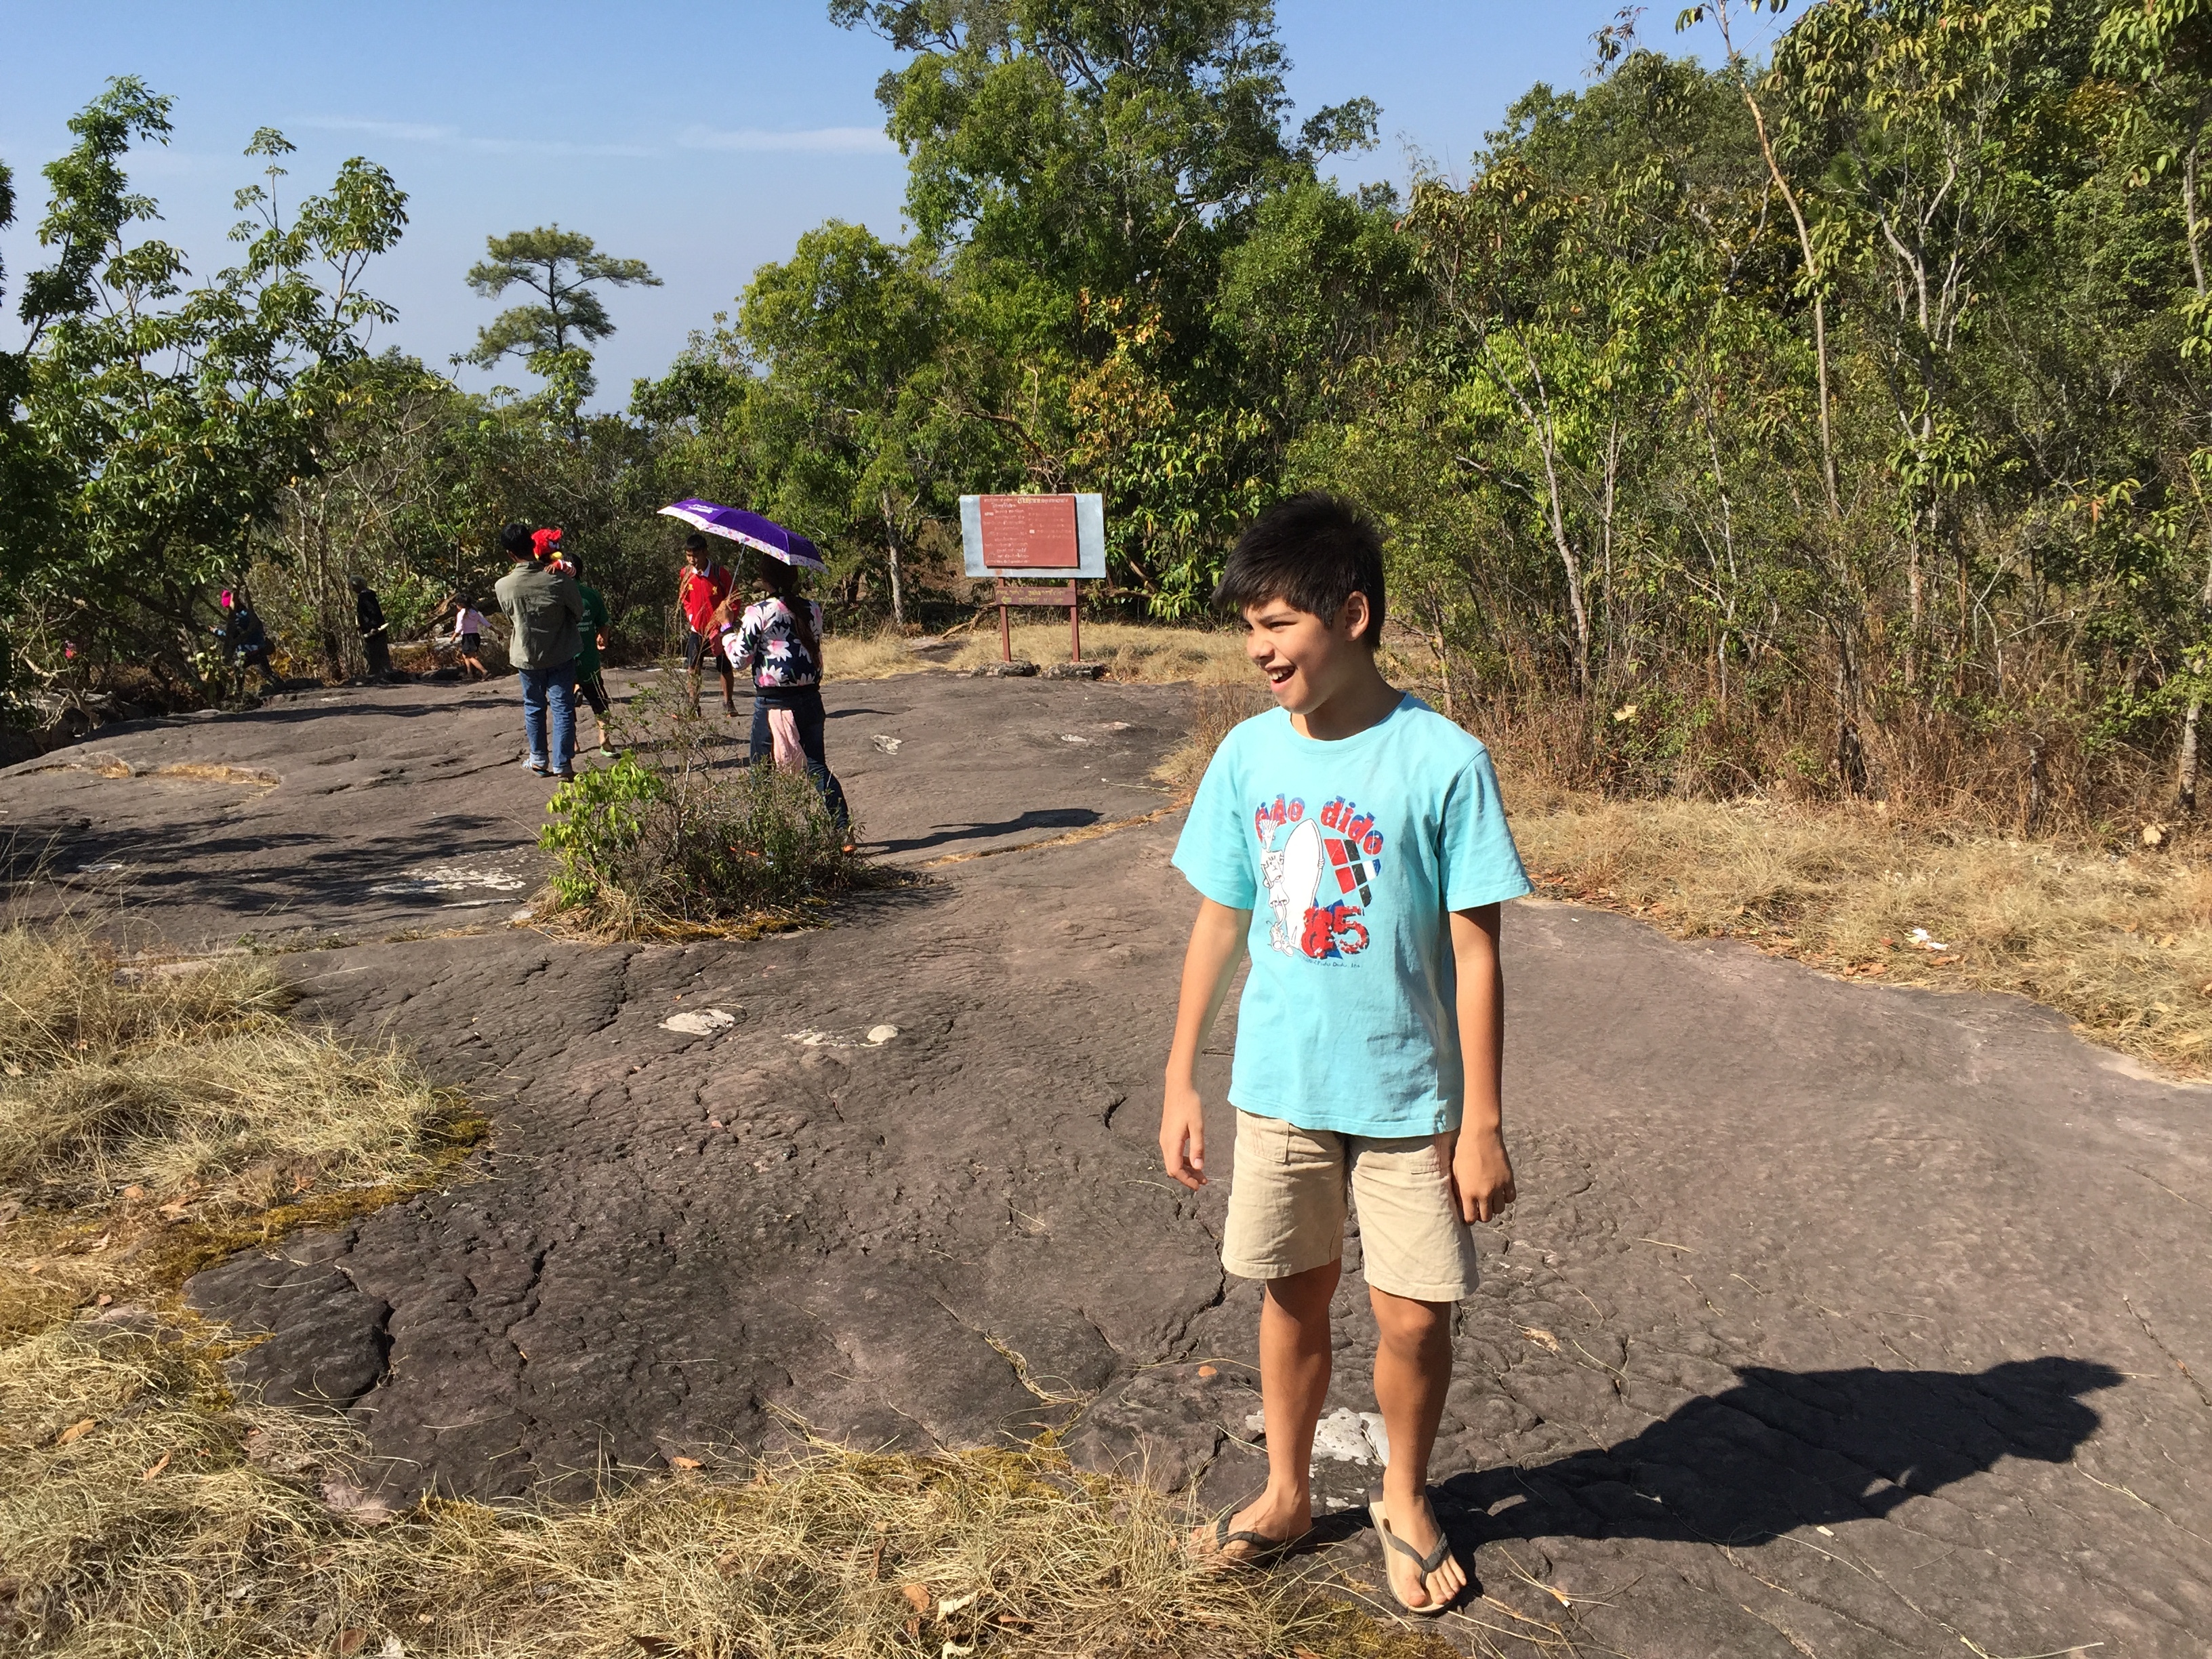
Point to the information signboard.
(1033, 536)
(1017, 535)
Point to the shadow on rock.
(1051, 818)
(1786, 1450)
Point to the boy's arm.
(1217, 945)
(1482, 1174)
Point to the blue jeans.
(804, 702)
(556, 686)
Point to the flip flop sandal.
(1427, 1563)
(1265, 1550)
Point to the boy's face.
(1307, 658)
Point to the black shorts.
(702, 650)
(595, 691)
(469, 642)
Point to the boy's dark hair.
(514, 541)
(694, 543)
(1314, 551)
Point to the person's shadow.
(1785, 1449)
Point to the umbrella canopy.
(750, 529)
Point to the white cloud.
(423, 132)
(819, 140)
(417, 133)
(553, 146)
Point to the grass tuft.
(185, 1081)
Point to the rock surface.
(1833, 1320)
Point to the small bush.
(676, 837)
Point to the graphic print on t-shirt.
(1319, 874)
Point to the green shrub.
(676, 836)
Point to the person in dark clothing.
(245, 641)
(375, 635)
(591, 635)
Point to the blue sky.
(702, 139)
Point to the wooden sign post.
(1027, 536)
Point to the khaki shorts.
(1287, 1209)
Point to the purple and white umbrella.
(749, 529)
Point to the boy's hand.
(1481, 1175)
(1182, 1135)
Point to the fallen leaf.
(952, 1604)
(917, 1596)
(75, 1431)
(1542, 1339)
(161, 1463)
(684, 1462)
(134, 1191)
(954, 1650)
(103, 1299)
(1208, 1370)
(352, 1640)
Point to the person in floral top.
(778, 640)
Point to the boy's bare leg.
(1294, 1366)
(1412, 1369)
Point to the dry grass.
(869, 656)
(1214, 710)
(144, 1511)
(1136, 653)
(250, 1538)
(156, 1116)
(2122, 945)
(185, 1081)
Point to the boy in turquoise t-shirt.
(1351, 843)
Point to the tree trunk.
(890, 542)
(2185, 782)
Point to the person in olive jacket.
(543, 609)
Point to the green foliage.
(675, 837)
(149, 425)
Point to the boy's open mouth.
(1278, 675)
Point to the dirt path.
(1834, 1320)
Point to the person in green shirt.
(589, 684)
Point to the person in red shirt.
(703, 586)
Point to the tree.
(157, 424)
(563, 268)
(1079, 172)
(862, 446)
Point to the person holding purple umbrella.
(778, 640)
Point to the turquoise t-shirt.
(1348, 855)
